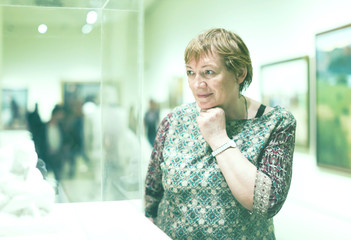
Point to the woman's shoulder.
(185, 109)
(282, 116)
(180, 110)
(276, 112)
(282, 112)
(185, 106)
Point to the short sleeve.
(153, 181)
(274, 172)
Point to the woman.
(221, 167)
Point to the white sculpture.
(23, 190)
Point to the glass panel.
(48, 61)
(120, 105)
(81, 58)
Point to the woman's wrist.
(217, 143)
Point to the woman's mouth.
(201, 96)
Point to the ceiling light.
(91, 17)
(42, 28)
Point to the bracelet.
(229, 144)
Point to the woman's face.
(211, 83)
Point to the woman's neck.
(238, 110)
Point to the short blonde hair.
(227, 45)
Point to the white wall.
(41, 62)
(41, 65)
(273, 30)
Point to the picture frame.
(286, 83)
(14, 108)
(78, 93)
(175, 95)
(333, 98)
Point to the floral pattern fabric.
(186, 192)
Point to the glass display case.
(85, 58)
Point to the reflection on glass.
(151, 121)
(74, 71)
(121, 145)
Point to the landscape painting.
(333, 66)
(286, 83)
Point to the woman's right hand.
(212, 126)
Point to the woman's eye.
(209, 72)
(189, 73)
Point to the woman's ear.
(242, 77)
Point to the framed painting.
(333, 95)
(13, 108)
(286, 83)
(77, 93)
(176, 92)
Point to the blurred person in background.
(38, 133)
(73, 133)
(151, 120)
(54, 141)
(221, 167)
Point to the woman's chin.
(205, 105)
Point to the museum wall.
(41, 62)
(93, 71)
(273, 31)
(64, 53)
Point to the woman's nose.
(200, 82)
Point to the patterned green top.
(187, 194)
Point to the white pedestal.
(83, 221)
